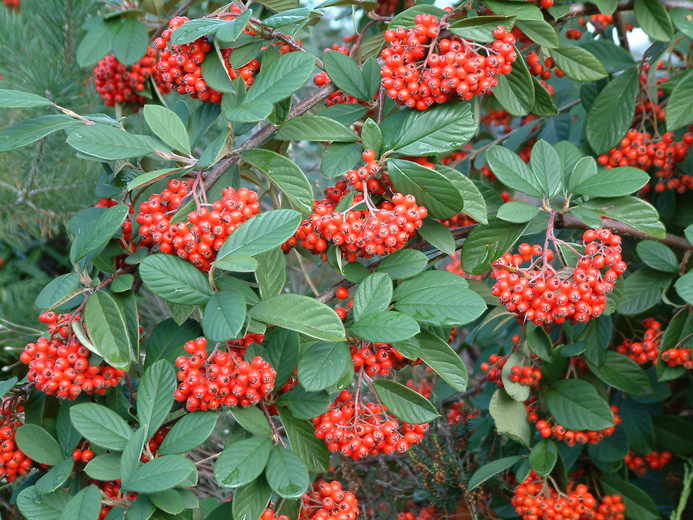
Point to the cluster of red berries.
(533, 499)
(15, 4)
(377, 359)
(59, 364)
(113, 494)
(153, 444)
(269, 514)
(420, 71)
(647, 108)
(571, 437)
(118, 84)
(240, 345)
(361, 233)
(661, 154)
(675, 357)
(525, 375)
(208, 382)
(543, 70)
(358, 429)
(423, 387)
(455, 267)
(540, 294)
(646, 350)
(370, 176)
(461, 412)
(494, 368)
(642, 464)
(601, 21)
(459, 220)
(499, 118)
(425, 513)
(329, 501)
(197, 239)
(339, 97)
(13, 461)
(83, 454)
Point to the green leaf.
(633, 211)
(232, 29)
(224, 316)
(38, 444)
(385, 327)
(261, 233)
(57, 290)
(623, 373)
(345, 74)
(675, 433)
(215, 74)
(682, 20)
(438, 236)
(160, 474)
(305, 405)
(404, 403)
(304, 443)
(252, 420)
(539, 32)
(611, 114)
(339, 158)
(585, 168)
(55, 477)
(251, 500)
(276, 81)
(155, 395)
(578, 64)
(315, 128)
(371, 136)
(35, 506)
(373, 294)
(616, 182)
(108, 329)
(403, 264)
(95, 45)
(237, 264)
(110, 143)
(85, 505)
(606, 6)
(188, 433)
(678, 113)
(684, 287)
(438, 130)
(444, 361)
(100, 425)
(174, 279)
(286, 473)
(345, 113)
(510, 417)
(638, 503)
(543, 101)
(130, 458)
(512, 171)
(31, 130)
(517, 211)
(439, 298)
(167, 340)
(430, 188)
(104, 467)
(281, 351)
(307, 316)
(522, 10)
(480, 28)
(576, 405)
(487, 243)
(474, 203)
(543, 456)
(271, 272)
(490, 470)
(642, 290)
(130, 40)
(194, 29)
(654, 19)
(167, 126)
(99, 233)
(515, 91)
(242, 462)
(285, 174)
(516, 391)
(172, 501)
(19, 99)
(658, 256)
(539, 343)
(546, 166)
(322, 364)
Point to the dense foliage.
(487, 314)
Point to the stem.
(306, 276)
